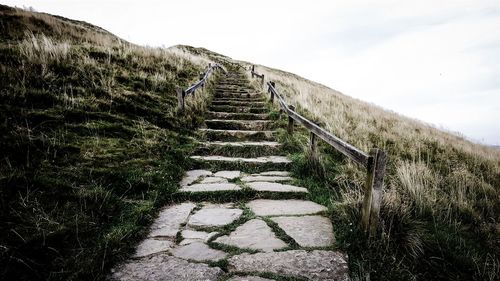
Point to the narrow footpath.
(243, 218)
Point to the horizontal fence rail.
(255, 74)
(374, 161)
(182, 94)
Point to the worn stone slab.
(213, 180)
(152, 246)
(242, 143)
(266, 207)
(214, 216)
(228, 174)
(248, 278)
(198, 251)
(307, 231)
(163, 267)
(263, 159)
(169, 220)
(194, 175)
(190, 236)
(238, 124)
(265, 178)
(275, 187)
(273, 173)
(254, 234)
(314, 265)
(204, 187)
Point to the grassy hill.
(92, 146)
(441, 201)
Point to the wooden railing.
(182, 94)
(255, 74)
(374, 161)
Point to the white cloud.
(433, 60)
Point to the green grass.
(92, 146)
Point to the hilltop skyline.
(433, 62)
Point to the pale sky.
(437, 61)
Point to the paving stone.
(254, 234)
(314, 265)
(275, 187)
(243, 143)
(263, 159)
(307, 231)
(248, 278)
(265, 178)
(273, 173)
(190, 236)
(203, 187)
(152, 246)
(163, 267)
(214, 216)
(169, 220)
(228, 174)
(194, 175)
(213, 180)
(266, 207)
(198, 251)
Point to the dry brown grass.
(440, 188)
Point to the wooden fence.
(182, 94)
(374, 161)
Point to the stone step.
(253, 99)
(258, 160)
(245, 109)
(266, 207)
(244, 164)
(236, 115)
(238, 103)
(233, 81)
(236, 95)
(274, 187)
(254, 125)
(239, 149)
(245, 144)
(233, 90)
(207, 181)
(237, 135)
(310, 265)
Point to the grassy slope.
(441, 202)
(91, 144)
(93, 147)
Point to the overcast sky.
(437, 61)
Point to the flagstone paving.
(210, 216)
(253, 235)
(319, 230)
(265, 207)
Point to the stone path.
(255, 236)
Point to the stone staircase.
(265, 230)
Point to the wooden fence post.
(180, 99)
(312, 141)
(290, 120)
(202, 75)
(271, 99)
(253, 70)
(262, 80)
(373, 191)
